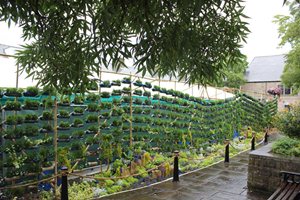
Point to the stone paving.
(218, 182)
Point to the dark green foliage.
(14, 119)
(78, 100)
(92, 107)
(138, 101)
(78, 134)
(106, 105)
(126, 90)
(47, 115)
(116, 92)
(126, 99)
(77, 122)
(147, 94)
(31, 117)
(48, 103)
(63, 114)
(93, 129)
(105, 94)
(14, 92)
(287, 147)
(63, 124)
(12, 105)
(147, 85)
(138, 92)
(31, 131)
(79, 110)
(31, 92)
(92, 97)
(31, 104)
(92, 118)
(116, 83)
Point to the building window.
(285, 90)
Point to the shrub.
(288, 122)
(116, 82)
(287, 146)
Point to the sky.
(262, 41)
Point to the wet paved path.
(218, 182)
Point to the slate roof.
(265, 69)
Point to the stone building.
(262, 74)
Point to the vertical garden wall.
(94, 130)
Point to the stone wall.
(264, 168)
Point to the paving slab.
(221, 181)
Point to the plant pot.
(30, 121)
(63, 140)
(76, 114)
(63, 128)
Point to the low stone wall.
(264, 168)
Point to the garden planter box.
(76, 114)
(64, 104)
(30, 108)
(30, 121)
(90, 132)
(63, 128)
(63, 117)
(77, 125)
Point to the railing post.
(253, 142)
(266, 137)
(176, 168)
(226, 160)
(64, 183)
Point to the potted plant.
(116, 83)
(116, 102)
(117, 112)
(92, 130)
(31, 92)
(63, 126)
(93, 85)
(63, 114)
(105, 94)
(13, 133)
(31, 118)
(138, 101)
(13, 92)
(156, 97)
(31, 131)
(147, 94)
(92, 107)
(126, 90)
(138, 92)
(137, 110)
(105, 84)
(92, 118)
(92, 97)
(116, 123)
(31, 105)
(78, 111)
(163, 90)
(78, 134)
(46, 128)
(47, 115)
(156, 88)
(65, 101)
(63, 138)
(78, 100)
(138, 83)
(147, 85)
(104, 125)
(126, 80)
(105, 105)
(14, 119)
(105, 115)
(12, 105)
(48, 103)
(77, 122)
(47, 90)
(147, 111)
(116, 93)
(126, 99)
(147, 102)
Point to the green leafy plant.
(31, 104)
(92, 107)
(31, 118)
(78, 100)
(106, 105)
(14, 92)
(93, 85)
(287, 146)
(126, 90)
(93, 129)
(117, 112)
(48, 103)
(138, 92)
(147, 94)
(14, 119)
(105, 94)
(78, 110)
(116, 93)
(12, 105)
(156, 88)
(137, 110)
(147, 85)
(105, 115)
(31, 131)
(78, 134)
(92, 97)
(147, 102)
(64, 114)
(126, 99)
(64, 125)
(116, 82)
(126, 80)
(47, 115)
(77, 122)
(31, 92)
(105, 84)
(116, 102)
(91, 118)
(117, 123)
(138, 101)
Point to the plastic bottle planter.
(105, 84)
(63, 114)
(31, 92)
(64, 126)
(31, 105)
(46, 116)
(138, 83)
(31, 118)
(13, 92)
(148, 85)
(77, 111)
(12, 106)
(116, 93)
(116, 83)
(126, 81)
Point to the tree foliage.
(234, 74)
(190, 39)
(289, 30)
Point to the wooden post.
(17, 78)
(226, 160)
(159, 92)
(130, 95)
(55, 146)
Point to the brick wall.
(264, 168)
